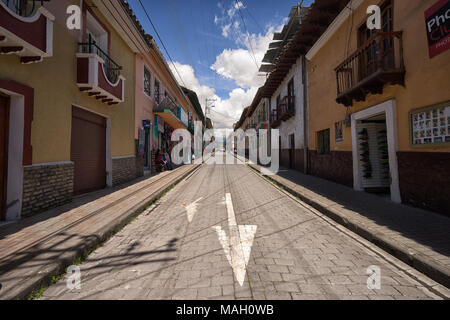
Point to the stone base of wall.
(425, 180)
(46, 187)
(123, 170)
(139, 164)
(298, 161)
(336, 166)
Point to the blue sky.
(209, 43)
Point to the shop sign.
(437, 20)
(160, 125)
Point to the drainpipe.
(305, 115)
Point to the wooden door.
(88, 151)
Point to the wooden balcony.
(377, 63)
(99, 75)
(170, 113)
(26, 30)
(275, 122)
(285, 110)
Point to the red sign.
(437, 20)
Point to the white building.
(286, 93)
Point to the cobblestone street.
(296, 253)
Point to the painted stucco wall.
(293, 125)
(144, 103)
(55, 83)
(427, 80)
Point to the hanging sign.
(437, 20)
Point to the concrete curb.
(58, 267)
(414, 259)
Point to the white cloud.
(226, 30)
(234, 64)
(241, 64)
(226, 111)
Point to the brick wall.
(123, 170)
(45, 187)
(425, 180)
(139, 165)
(336, 166)
(298, 159)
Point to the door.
(279, 149)
(292, 152)
(88, 151)
(4, 128)
(147, 149)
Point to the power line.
(165, 49)
(248, 35)
(253, 18)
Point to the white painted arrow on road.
(238, 245)
(191, 209)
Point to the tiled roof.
(148, 38)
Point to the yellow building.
(379, 102)
(67, 99)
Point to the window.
(96, 33)
(386, 49)
(157, 91)
(147, 82)
(323, 141)
(291, 91)
(338, 133)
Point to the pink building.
(161, 106)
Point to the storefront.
(374, 136)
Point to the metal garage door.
(88, 151)
(4, 120)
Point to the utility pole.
(208, 108)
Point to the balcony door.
(379, 50)
(291, 95)
(97, 32)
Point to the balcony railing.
(111, 68)
(23, 8)
(376, 63)
(275, 121)
(167, 104)
(284, 111)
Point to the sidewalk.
(35, 249)
(417, 237)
